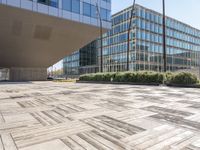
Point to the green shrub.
(167, 77)
(143, 77)
(160, 77)
(183, 78)
(148, 77)
(108, 76)
(135, 77)
(86, 77)
(98, 77)
(119, 77)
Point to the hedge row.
(183, 78)
(143, 77)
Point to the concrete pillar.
(28, 74)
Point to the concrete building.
(35, 34)
(146, 50)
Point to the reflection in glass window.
(93, 11)
(86, 9)
(67, 5)
(103, 14)
(43, 2)
(71, 5)
(76, 6)
(53, 3)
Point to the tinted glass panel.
(76, 6)
(67, 5)
(93, 11)
(86, 9)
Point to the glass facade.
(71, 64)
(82, 61)
(71, 5)
(83, 11)
(89, 9)
(146, 49)
(53, 3)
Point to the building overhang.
(31, 39)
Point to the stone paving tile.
(72, 116)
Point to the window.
(72, 5)
(105, 14)
(93, 11)
(76, 6)
(67, 5)
(43, 2)
(108, 1)
(86, 9)
(53, 3)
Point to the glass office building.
(146, 49)
(71, 65)
(82, 61)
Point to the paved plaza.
(75, 116)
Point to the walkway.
(69, 116)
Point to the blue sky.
(187, 11)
